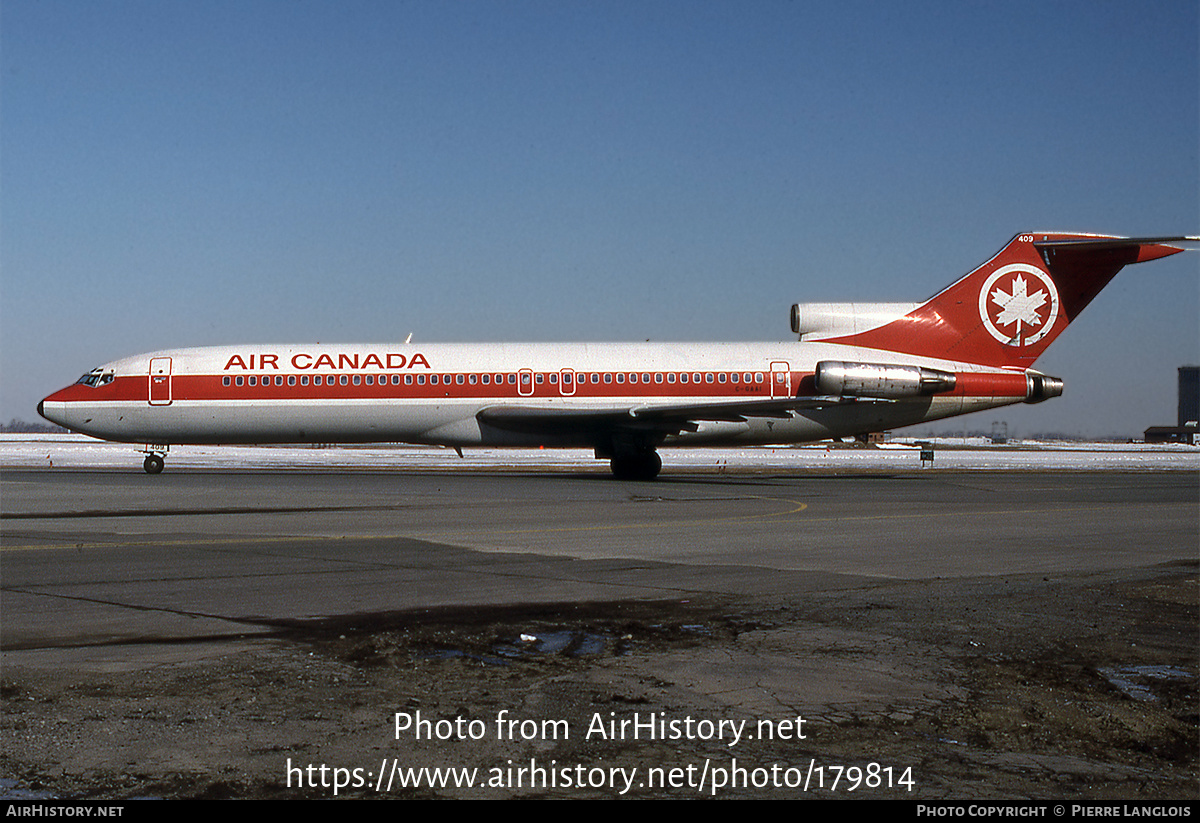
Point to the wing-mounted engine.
(880, 380)
(816, 321)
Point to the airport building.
(1188, 424)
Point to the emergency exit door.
(160, 381)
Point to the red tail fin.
(1007, 311)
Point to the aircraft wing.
(663, 418)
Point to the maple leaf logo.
(1018, 304)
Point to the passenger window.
(304, 380)
(471, 380)
(238, 380)
(458, 378)
(225, 380)
(607, 377)
(291, 379)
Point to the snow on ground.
(72, 451)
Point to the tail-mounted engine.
(814, 321)
(887, 381)
(1041, 387)
(882, 380)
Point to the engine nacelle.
(882, 380)
(1042, 387)
(817, 320)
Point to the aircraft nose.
(53, 411)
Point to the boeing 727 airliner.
(856, 368)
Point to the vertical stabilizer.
(1010, 309)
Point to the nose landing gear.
(155, 459)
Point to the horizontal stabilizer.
(1115, 242)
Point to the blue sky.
(194, 173)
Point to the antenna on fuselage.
(409, 338)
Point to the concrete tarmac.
(954, 622)
(103, 557)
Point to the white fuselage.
(434, 393)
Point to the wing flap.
(738, 410)
(647, 417)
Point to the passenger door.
(781, 379)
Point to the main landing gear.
(631, 454)
(636, 465)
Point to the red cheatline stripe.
(186, 387)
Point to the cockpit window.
(96, 378)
